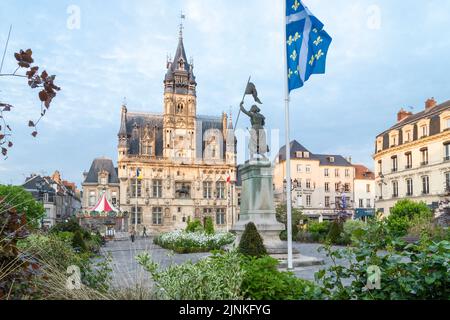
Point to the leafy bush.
(189, 242)
(263, 281)
(423, 226)
(209, 226)
(194, 226)
(418, 272)
(401, 215)
(251, 243)
(353, 230)
(297, 216)
(305, 237)
(319, 230)
(215, 278)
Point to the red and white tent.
(104, 206)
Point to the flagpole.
(243, 97)
(288, 150)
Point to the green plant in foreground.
(263, 281)
(214, 278)
(417, 272)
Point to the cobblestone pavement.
(127, 273)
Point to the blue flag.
(307, 44)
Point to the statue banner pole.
(245, 92)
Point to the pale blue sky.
(385, 55)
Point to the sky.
(385, 55)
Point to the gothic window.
(157, 216)
(220, 190)
(136, 214)
(92, 198)
(207, 190)
(114, 198)
(157, 189)
(136, 192)
(220, 217)
(180, 108)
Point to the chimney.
(402, 115)
(430, 103)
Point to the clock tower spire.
(180, 104)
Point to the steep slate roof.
(324, 160)
(98, 165)
(143, 120)
(430, 113)
(363, 173)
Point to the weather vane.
(182, 17)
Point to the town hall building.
(186, 162)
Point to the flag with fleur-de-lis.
(306, 42)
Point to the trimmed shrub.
(334, 235)
(319, 230)
(251, 243)
(209, 226)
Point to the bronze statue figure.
(258, 143)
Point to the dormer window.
(424, 131)
(394, 139)
(379, 144)
(181, 64)
(331, 159)
(445, 121)
(306, 155)
(424, 128)
(299, 154)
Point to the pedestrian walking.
(133, 235)
(144, 234)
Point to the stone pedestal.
(257, 206)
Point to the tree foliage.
(35, 80)
(18, 198)
(209, 226)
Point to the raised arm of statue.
(245, 111)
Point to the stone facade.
(412, 158)
(187, 162)
(320, 182)
(364, 188)
(60, 198)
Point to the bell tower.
(180, 105)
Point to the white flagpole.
(288, 150)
